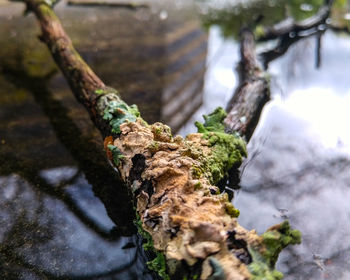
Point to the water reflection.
(301, 160)
(55, 226)
(43, 237)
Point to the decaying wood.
(188, 223)
(252, 93)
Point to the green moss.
(100, 91)
(197, 186)
(158, 130)
(117, 154)
(274, 240)
(191, 151)
(148, 244)
(196, 172)
(194, 277)
(277, 238)
(259, 31)
(158, 264)
(154, 146)
(261, 271)
(228, 150)
(213, 122)
(161, 132)
(231, 210)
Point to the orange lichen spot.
(108, 141)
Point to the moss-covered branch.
(186, 221)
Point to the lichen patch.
(179, 206)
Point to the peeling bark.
(190, 226)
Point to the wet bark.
(252, 93)
(187, 223)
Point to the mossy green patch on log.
(228, 150)
(158, 264)
(213, 122)
(231, 210)
(275, 239)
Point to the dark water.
(53, 174)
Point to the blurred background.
(176, 60)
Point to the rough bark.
(190, 226)
(252, 93)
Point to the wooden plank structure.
(157, 64)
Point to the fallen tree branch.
(252, 92)
(190, 226)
